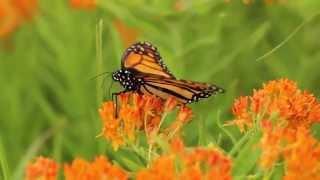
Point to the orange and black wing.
(184, 91)
(143, 58)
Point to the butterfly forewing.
(143, 58)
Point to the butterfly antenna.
(101, 74)
(103, 87)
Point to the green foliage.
(49, 104)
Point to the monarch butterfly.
(143, 71)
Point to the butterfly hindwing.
(143, 58)
(185, 91)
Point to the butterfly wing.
(143, 58)
(145, 62)
(185, 91)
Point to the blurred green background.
(48, 104)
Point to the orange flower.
(271, 144)
(170, 104)
(83, 4)
(240, 109)
(161, 168)
(14, 13)
(42, 168)
(152, 105)
(300, 151)
(183, 117)
(296, 107)
(26, 8)
(302, 157)
(127, 34)
(184, 114)
(199, 163)
(177, 145)
(179, 5)
(111, 125)
(137, 112)
(100, 168)
(217, 165)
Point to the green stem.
(241, 142)
(3, 162)
(149, 152)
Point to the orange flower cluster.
(139, 112)
(100, 168)
(300, 151)
(302, 157)
(80, 169)
(286, 115)
(13, 13)
(196, 164)
(42, 168)
(83, 4)
(179, 163)
(297, 108)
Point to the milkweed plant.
(275, 121)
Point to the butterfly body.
(127, 79)
(143, 71)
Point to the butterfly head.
(127, 79)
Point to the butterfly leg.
(115, 100)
